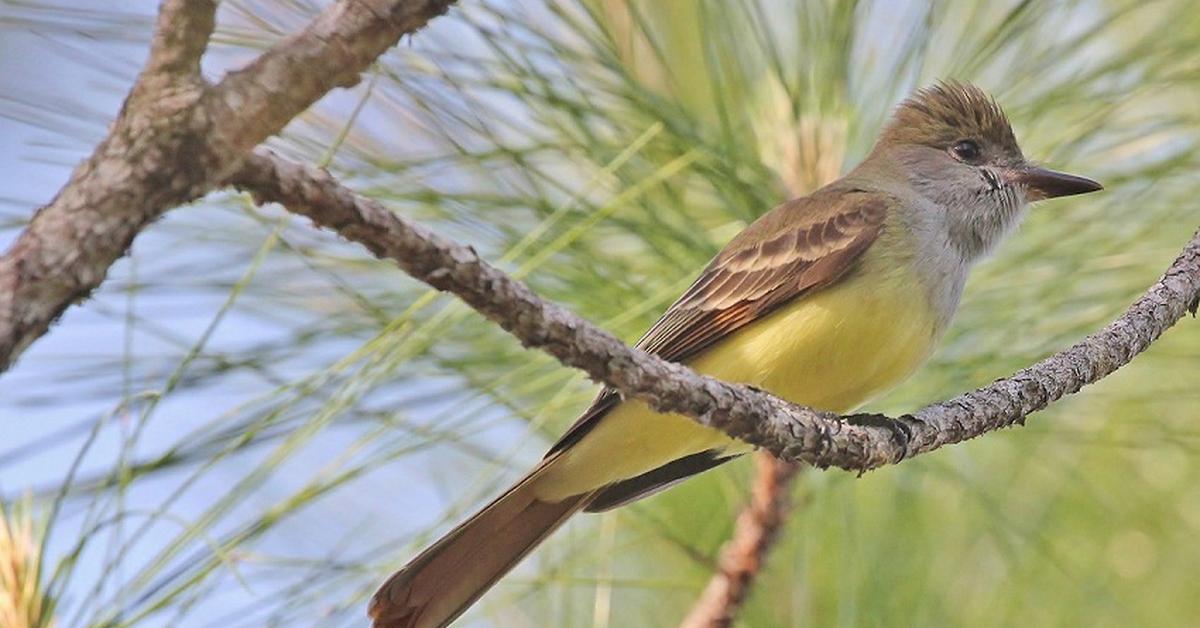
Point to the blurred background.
(252, 422)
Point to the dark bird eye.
(965, 150)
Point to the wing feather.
(798, 247)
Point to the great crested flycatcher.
(826, 301)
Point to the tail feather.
(439, 584)
(659, 479)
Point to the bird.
(827, 301)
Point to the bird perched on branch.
(827, 301)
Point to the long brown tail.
(439, 584)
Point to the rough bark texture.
(744, 556)
(175, 138)
(332, 51)
(792, 433)
(70, 243)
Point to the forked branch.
(175, 139)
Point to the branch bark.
(792, 433)
(332, 51)
(70, 243)
(175, 138)
(180, 37)
(743, 557)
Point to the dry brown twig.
(754, 533)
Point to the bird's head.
(956, 148)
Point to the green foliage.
(604, 150)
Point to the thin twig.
(792, 433)
(743, 557)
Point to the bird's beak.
(1043, 183)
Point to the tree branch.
(743, 557)
(180, 37)
(332, 51)
(68, 246)
(792, 433)
(175, 138)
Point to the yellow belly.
(833, 350)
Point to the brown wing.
(800, 246)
